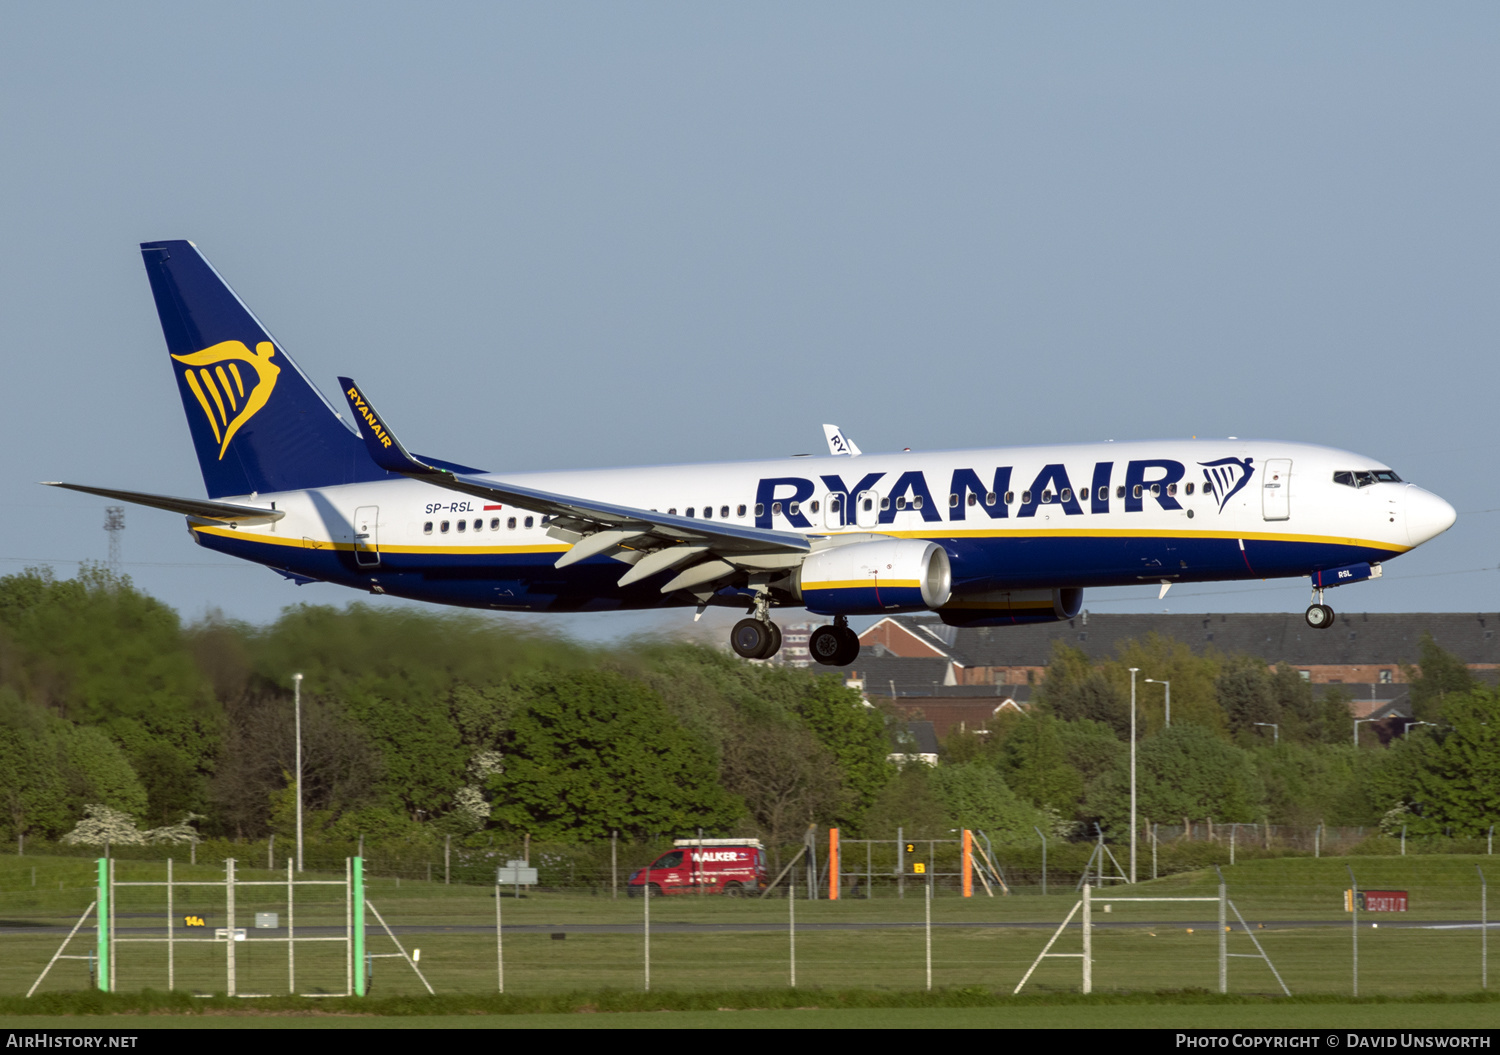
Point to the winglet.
(381, 442)
(838, 443)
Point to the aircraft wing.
(655, 541)
(201, 508)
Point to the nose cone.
(1427, 515)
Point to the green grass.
(1313, 960)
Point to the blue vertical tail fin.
(258, 424)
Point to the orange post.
(833, 864)
(968, 863)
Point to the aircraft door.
(867, 509)
(1275, 489)
(367, 536)
(834, 509)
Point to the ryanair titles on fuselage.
(968, 492)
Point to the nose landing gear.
(1319, 615)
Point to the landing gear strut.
(836, 645)
(1319, 615)
(756, 637)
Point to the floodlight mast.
(1168, 685)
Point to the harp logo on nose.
(231, 383)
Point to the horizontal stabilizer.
(203, 509)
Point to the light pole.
(1168, 684)
(297, 706)
(1275, 731)
(1406, 733)
(1356, 727)
(1132, 772)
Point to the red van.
(732, 867)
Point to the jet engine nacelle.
(1012, 607)
(871, 578)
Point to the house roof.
(1357, 639)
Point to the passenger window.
(917, 502)
(478, 524)
(901, 502)
(689, 512)
(708, 512)
(494, 523)
(1156, 490)
(427, 528)
(1120, 491)
(511, 523)
(1137, 491)
(1171, 489)
(444, 527)
(885, 503)
(870, 504)
(462, 524)
(813, 506)
(1010, 498)
(528, 521)
(953, 501)
(1067, 495)
(1047, 496)
(1026, 498)
(989, 498)
(795, 508)
(672, 512)
(724, 512)
(1189, 488)
(835, 505)
(760, 509)
(1104, 494)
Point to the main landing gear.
(834, 646)
(756, 637)
(1319, 615)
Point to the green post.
(103, 936)
(359, 926)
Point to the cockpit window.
(1365, 477)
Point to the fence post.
(835, 859)
(229, 912)
(968, 863)
(1354, 914)
(900, 863)
(1042, 837)
(357, 878)
(1223, 936)
(1484, 930)
(1088, 939)
(102, 938)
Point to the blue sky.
(572, 235)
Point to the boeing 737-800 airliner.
(981, 537)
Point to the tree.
(1187, 771)
(1247, 696)
(1074, 689)
(593, 751)
(975, 796)
(1035, 764)
(1453, 776)
(1437, 675)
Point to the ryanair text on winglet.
(369, 415)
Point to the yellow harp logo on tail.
(216, 378)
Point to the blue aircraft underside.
(528, 581)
